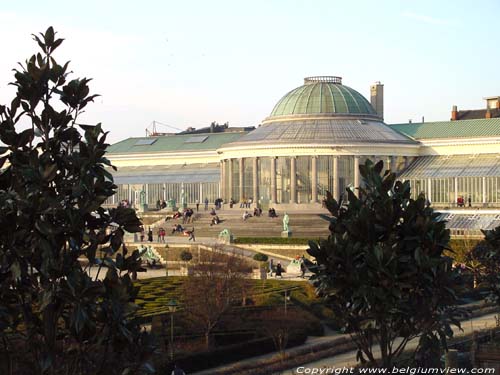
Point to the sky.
(188, 63)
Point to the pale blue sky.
(187, 63)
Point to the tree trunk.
(208, 340)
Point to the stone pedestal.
(142, 207)
(286, 234)
(186, 271)
(259, 274)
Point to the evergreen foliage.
(383, 272)
(54, 317)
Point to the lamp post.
(172, 307)
(287, 298)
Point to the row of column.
(226, 190)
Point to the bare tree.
(278, 324)
(217, 284)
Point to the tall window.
(264, 179)
(303, 171)
(283, 179)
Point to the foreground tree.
(54, 317)
(382, 269)
(218, 283)
(487, 254)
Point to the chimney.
(377, 98)
(488, 113)
(454, 113)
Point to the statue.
(226, 236)
(142, 197)
(286, 219)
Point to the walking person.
(206, 204)
(197, 205)
(143, 234)
(150, 235)
(279, 270)
(469, 200)
(191, 235)
(271, 267)
(302, 269)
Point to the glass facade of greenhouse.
(444, 179)
(312, 142)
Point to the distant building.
(492, 110)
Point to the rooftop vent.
(197, 139)
(316, 79)
(145, 142)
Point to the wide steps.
(305, 225)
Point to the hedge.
(273, 240)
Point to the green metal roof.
(322, 95)
(174, 143)
(450, 129)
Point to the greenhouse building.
(313, 141)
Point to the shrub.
(259, 257)
(271, 241)
(186, 256)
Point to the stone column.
(241, 170)
(335, 191)
(484, 191)
(314, 179)
(393, 164)
(255, 182)
(293, 180)
(429, 190)
(273, 180)
(455, 188)
(230, 179)
(222, 190)
(356, 175)
(407, 161)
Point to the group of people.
(257, 211)
(461, 201)
(178, 228)
(278, 270)
(143, 234)
(161, 204)
(218, 203)
(161, 234)
(246, 203)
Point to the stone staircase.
(302, 224)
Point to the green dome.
(323, 95)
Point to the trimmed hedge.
(259, 257)
(272, 241)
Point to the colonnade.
(226, 167)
